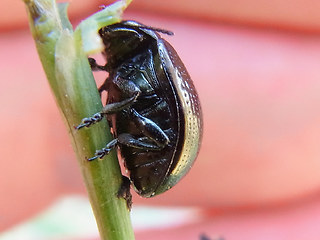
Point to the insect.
(152, 107)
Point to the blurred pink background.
(256, 68)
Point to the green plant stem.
(66, 66)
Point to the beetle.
(152, 107)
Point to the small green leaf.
(63, 7)
(88, 29)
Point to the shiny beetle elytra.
(152, 107)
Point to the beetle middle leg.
(127, 87)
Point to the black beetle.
(152, 106)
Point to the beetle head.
(125, 39)
(122, 41)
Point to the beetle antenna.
(157, 30)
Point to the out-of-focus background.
(256, 66)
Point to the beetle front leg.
(95, 66)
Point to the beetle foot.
(100, 153)
(105, 151)
(124, 191)
(87, 122)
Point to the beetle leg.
(155, 138)
(118, 106)
(103, 87)
(127, 140)
(126, 86)
(150, 129)
(124, 191)
(95, 66)
(140, 143)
